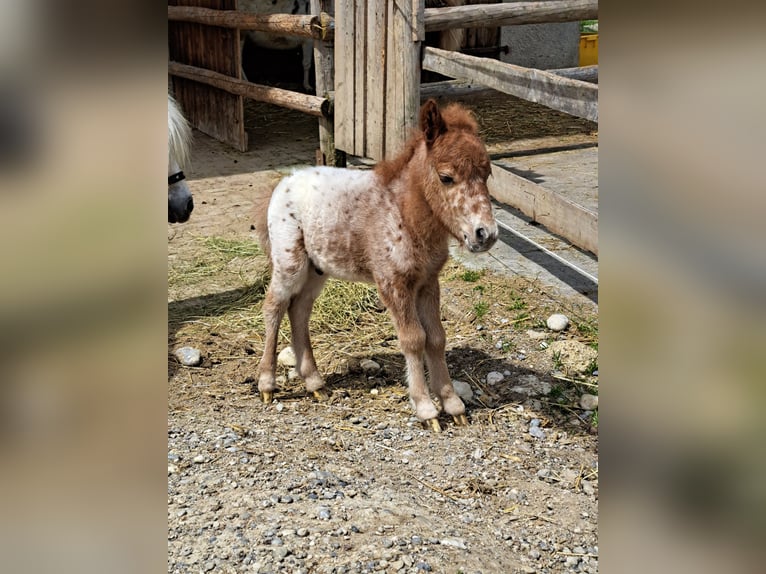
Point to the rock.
(454, 543)
(287, 358)
(323, 513)
(172, 468)
(589, 402)
(536, 432)
(531, 386)
(369, 367)
(188, 356)
(557, 322)
(463, 390)
(494, 377)
(478, 454)
(302, 532)
(574, 356)
(199, 459)
(536, 335)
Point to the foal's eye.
(446, 179)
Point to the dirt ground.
(356, 484)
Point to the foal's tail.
(260, 214)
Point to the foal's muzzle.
(482, 238)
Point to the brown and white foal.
(390, 226)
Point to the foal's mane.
(179, 134)
(455, 117)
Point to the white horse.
(180, 202)
(274, 42)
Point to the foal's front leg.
(412, 339)
(441, 383)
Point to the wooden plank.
(566, 95)
(375, 81)
(345, 69)
(394, 99)
(213, 111)
(411, 72)
(360, 73)
(305, 26)
(509, 14)
(306, 103)
(560, 215)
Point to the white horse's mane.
(179, 134)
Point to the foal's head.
(455, 174)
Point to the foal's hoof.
(460, 420)
(432, 424)
(321, 395)
(267, 397)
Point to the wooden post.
(325, 83)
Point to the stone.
(188, 356)
(454, 543)
(287, 358)
(369, 367)
(463, 390)
(589, 402)
(531, 386)
(557, 322)
(494, 377)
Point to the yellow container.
(588, 49)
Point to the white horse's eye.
(446, 179)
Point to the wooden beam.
(583, 73)
(509, 14)
(312, 105)
(319, 27)
(560, 215)
(566, 95)
(460, 88)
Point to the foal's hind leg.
(441, 383)
(288, 278)
(300, 312)
(274, 309)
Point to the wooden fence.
(368, 60)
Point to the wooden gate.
(377, 74)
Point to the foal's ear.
(431, 121)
